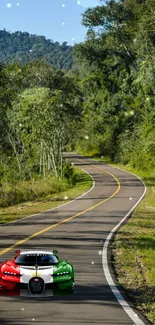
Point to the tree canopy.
(117, 68)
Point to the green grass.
(82, 183)
(22, 191)
(134, 248)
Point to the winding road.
(81, 231)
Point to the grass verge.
(134, 249)
(82, 183)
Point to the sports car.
(36, 272)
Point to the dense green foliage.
(105, 106)
(118, 80)
(40, 110)
(22, 47)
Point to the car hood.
(28, 272)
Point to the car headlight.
(61, 274)
(11, 273)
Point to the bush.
(68, 171)
(29, 190)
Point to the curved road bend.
(86, 224)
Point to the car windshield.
(39, 259)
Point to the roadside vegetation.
(40, 112)
(133, 248)
(48, 194)
(134, 251)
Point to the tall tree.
(117, 67)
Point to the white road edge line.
(57, 207)
(116, 292)
(130, 312)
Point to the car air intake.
(36, 286)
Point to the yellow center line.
(22, 241)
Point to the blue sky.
(59, 20)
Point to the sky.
(58, 20)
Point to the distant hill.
(23, 47)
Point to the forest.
(103, 106)
(22, 47)
(117, 71)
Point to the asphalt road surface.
(79, 231)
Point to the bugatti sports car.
(36, 272)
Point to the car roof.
(36, 252)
